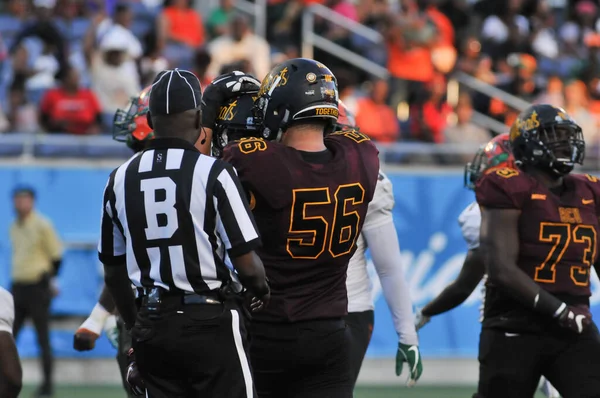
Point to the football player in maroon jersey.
(310, 192)
(539, 232)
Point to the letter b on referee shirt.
(159, 204)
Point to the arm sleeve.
(380, 233)
(241, 233)
(502, 189)
(7, 311)
(380, 208)
(385, 251)
(111, 247)
(470, 224)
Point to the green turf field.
(362, 392)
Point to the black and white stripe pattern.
(169, 214)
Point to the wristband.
(547, 304)
(95, 322)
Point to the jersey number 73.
(561, 235)
(310, 235)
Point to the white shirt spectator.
(224, 50)
(114, 85)
(494, 29)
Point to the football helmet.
(131, 125)
(496, 153)
(346, 119)
(235, 120)
(546, 137)
(296, 90)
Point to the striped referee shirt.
(169, 213)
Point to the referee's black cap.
(174, 91)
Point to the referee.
(170, 216)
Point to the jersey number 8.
(311, 234)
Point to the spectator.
(409, 40)
(465, 131)
(121, 21)
(44, 27)
(241, 44)
(553, 94)
(470, 56)
(113, 80)
(201, 63)
(4, 123)
(70, 108)
(36, 259)
(23, 114)
(218, 22)
(505, 31)
(180, 32)
(374, 117)
(429, 119)
(576, 105)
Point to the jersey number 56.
(313, 227)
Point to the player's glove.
(221, 90)
(420, 319)
(411, 355)
(133, 377)
(575, 318)
(89, 331)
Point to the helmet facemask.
(559, 148)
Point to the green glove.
(412, 355)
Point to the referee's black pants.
(122, 357)
(194, 350)
(301, 360)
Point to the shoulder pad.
(353, 135)
(502, 188)
(470, 222)
(593, 184)
(504, 172)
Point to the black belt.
(156, 295)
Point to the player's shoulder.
(250, 149)
(587, 180)
(384, 194)
(470, 221)
(503, 187)
(7, 310)
(352, 139)
(470, 214)
(586, 183)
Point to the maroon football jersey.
(309, 214)
(557, 238)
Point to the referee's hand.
(257, 304)
(222, 89)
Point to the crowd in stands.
(67, 65)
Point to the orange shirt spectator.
(429, 120)
(443, 25)
(70, 108)
(183, 24)
(375, 118)
(416, 53)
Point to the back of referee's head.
(174, 105)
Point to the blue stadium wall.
(427, 206)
